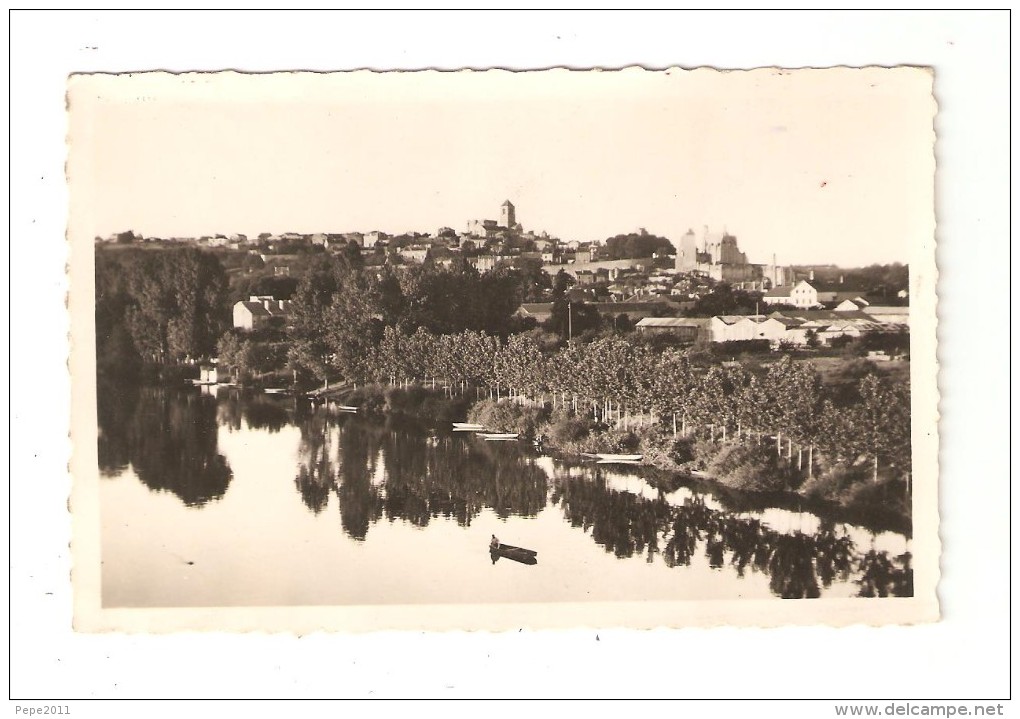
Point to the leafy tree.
(232, 352)
(880, 424)
(353, 327)
(252, 262)
(635, 245)
(724, 300)
(313, 296)
(562, 282)
(571, 319)
(171, 302)
(261, 284)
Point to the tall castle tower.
(686, 252)
(507, 215)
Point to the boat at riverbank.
(467, 427)
(498, 436)
(615, 457)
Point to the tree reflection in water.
(798, 565)
(316, 474)
(115, 410)
(169, 439)
(445, 476)
(269, 414)
(361, 502)
(885, 577)
(398, 472)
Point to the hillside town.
(653, 289)
(680, 354)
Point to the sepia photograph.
(496, 355)
(570, 338)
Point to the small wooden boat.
(619, 457)
(467, 427)
(517, 554)
(498, 436)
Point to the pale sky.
(816, 166)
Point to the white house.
(851, 305)
(415, 254)
(736, 328)
(802, 295)
(260, 311)
(483, 263)
(778, 329)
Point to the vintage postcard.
(488, 349)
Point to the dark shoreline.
(425, 409)
(436, 412)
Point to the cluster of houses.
(808, 294)
(651, 291)
(788, 327)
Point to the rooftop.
(673, 322)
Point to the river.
(218, 497)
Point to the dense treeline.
(344, 315)
(620, 383)
(157, 307)
(162, 308)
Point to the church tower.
(507, 215)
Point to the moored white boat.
(467, 427)
(498, 436)
(619, 457)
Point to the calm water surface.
(240, 499)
